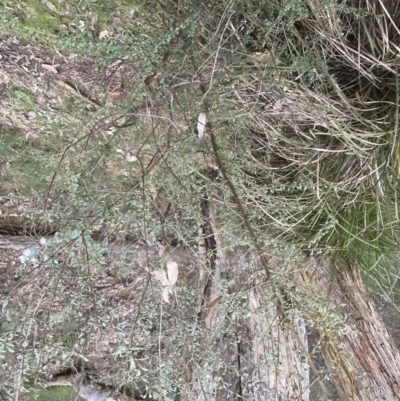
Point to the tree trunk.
(363, 361)
(261, 360)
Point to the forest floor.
(46, 98)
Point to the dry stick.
(264, 262)
(75, 92)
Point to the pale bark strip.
(365, 366)
(249, 371)
(273, 358)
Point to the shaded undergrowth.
(302, 98)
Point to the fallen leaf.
(127, 155)
(201, 124)
(149, 79)
(66, 86)
(51, 6)
(161, 250)
(165, 294)
(278, 105)
(161, 276)
(116, 96)
(104, 34)
(130, 158)
(172, 269)
(49, 68)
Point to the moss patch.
(21, 166)
(56, 393)
(21, 99)
(32, 16)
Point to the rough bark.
(363, 361)
(286, 376)
(262, 361)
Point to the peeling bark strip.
(365, 366)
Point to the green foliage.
(24, 167)
(22, 99)
(87, 3)
(57, 393)
(312, 161)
